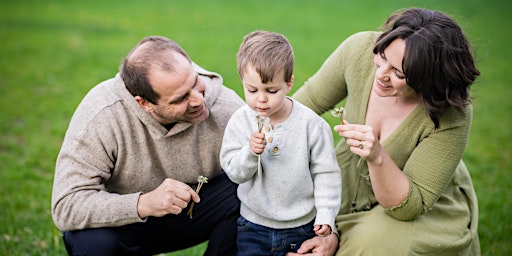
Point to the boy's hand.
(257, 142)
(322, 230)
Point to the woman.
(405, 188)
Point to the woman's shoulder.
(365, 36)
(456, 117)
(361, 40)
(358, 46)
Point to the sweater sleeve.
(326, 175)
(236, 158)
(80, 199)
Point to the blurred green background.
(53, 52)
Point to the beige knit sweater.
(113, 151)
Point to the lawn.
(53, 52)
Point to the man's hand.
(318, 246)
(171, 196)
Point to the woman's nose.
(382, 73)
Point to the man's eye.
(182, 98)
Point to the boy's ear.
(144, 104)
(290, 84)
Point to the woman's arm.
(411, 191)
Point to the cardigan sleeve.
(433, 162)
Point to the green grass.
(53, 52)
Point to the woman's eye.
(399, 75)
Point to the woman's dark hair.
(438, 63)
(149, 53)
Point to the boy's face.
(266, 99)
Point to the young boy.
(295, 192)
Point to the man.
(129, 164)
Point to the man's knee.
(91, 242)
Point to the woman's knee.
(375, 233)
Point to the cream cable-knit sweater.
(300, 178)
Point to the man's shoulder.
(96, 107)
(217, 94)
(101, 96)
(229, 96)
(104, 90)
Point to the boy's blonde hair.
(268, 52)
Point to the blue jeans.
(214, 220)
(254, 239)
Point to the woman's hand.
(361, 139)
(390, 185)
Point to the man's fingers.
(194, 195)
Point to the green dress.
(440, 214)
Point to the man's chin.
(202, 117)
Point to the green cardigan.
(431, 158)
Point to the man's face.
(181, 94)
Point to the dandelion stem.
(201, 180)
(261, 122)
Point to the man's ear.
(144, 104)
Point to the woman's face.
(390, 78)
